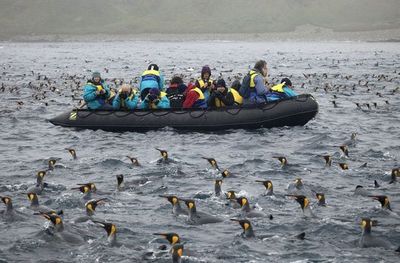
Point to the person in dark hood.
(222, 96)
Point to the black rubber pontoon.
(291, 112)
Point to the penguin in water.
(10, 214)
(73, 153)
(225, 173)
(282, 160)
(199, 218)
(344, 166)
(368, 240)
(90, 209)
(268, 187)
(246, 210)
(86, 189)
(395, 173)
(38, 188)
(328, 160)
(345, 150)
(360, 190)
(213, 162)
(177, 252)
(176, 206)
(217, 187)
(304, 204)
(164, 155)
(134, 161)
(296, 187)
(247, 228)
(111, 230)
(60, 231)
(383, 199)
(52, 164)
(172, 238)
(231, 196)
(122, 185)
(321, 199)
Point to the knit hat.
(96, 74)
(221, 83)
(287, 82)
(204, 70)
(152, 67)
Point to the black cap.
(152, 67)
(221, 83)
(287, 82)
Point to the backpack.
(245, 88)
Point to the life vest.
(152, 75)
(202, 83)
(130, 97)
(248, 84)
(278, 88)
(253, 74)
(200, 102)
(111, 97)
(152, 105)
(236, 97)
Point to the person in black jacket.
(221, 96)
(175, 92)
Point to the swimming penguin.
(345, 150)
(134, 161)
(213, 162)
(231, 196)
(281, 159)
(176, 206)
(246, 210)
(344, 166)
(328, 160)
(268, 186)
(199, 218)
(395, 173)
(52, 163)
(35, 206)
(177, 252)
(383, 199)
(90, 209)
(111, 230)
(247, 228)
(321, 199)
(122, 185)
(360, 190)
(367, 240)
(59, 229)
(164, 154)
(172, 238)
(304, 204)
(225, 173)
(73, 153)
(217, 187)
(10, 214)
(86, 189)
(38, 188)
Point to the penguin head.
(110, 228)
(173, 199)
(344, 166)
(366, 224)
(353, 136)
(72, 152)
(92, 204)
(212, 161)
(53, 217)
(120, 179)
(231, 195)
(320, 197)
(51, 163)
(242, 201)
(32, 197)
(190, 204)
(164, 154)
(244, 223)
(133, 160)
(298, 183)
(172, 238)
(344, 149)
(282, 160)
(267, 184)
(328, 159)
(6, 200)
(225, 173)
(395, 172)
(41, 174)
(86, 188)
(302, 200)
(218, 182)
(383, 199)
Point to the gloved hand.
(100, 92)
(151, 97)
(156, 101)
(123, 95)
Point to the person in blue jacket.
(126, 98)
(281, 91)
(155, 100)
(254, 89)
(151, 78)
(96, 93)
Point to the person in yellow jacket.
(222, 96)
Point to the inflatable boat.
(290, 112)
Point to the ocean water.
(42, 80)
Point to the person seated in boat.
(205, 82)
(126, 98)
(281, 91)
(96, 92)
(155, 99)
(222, 96)
(194, 98)
(253, 88)
(151, 78)
(175, 92)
